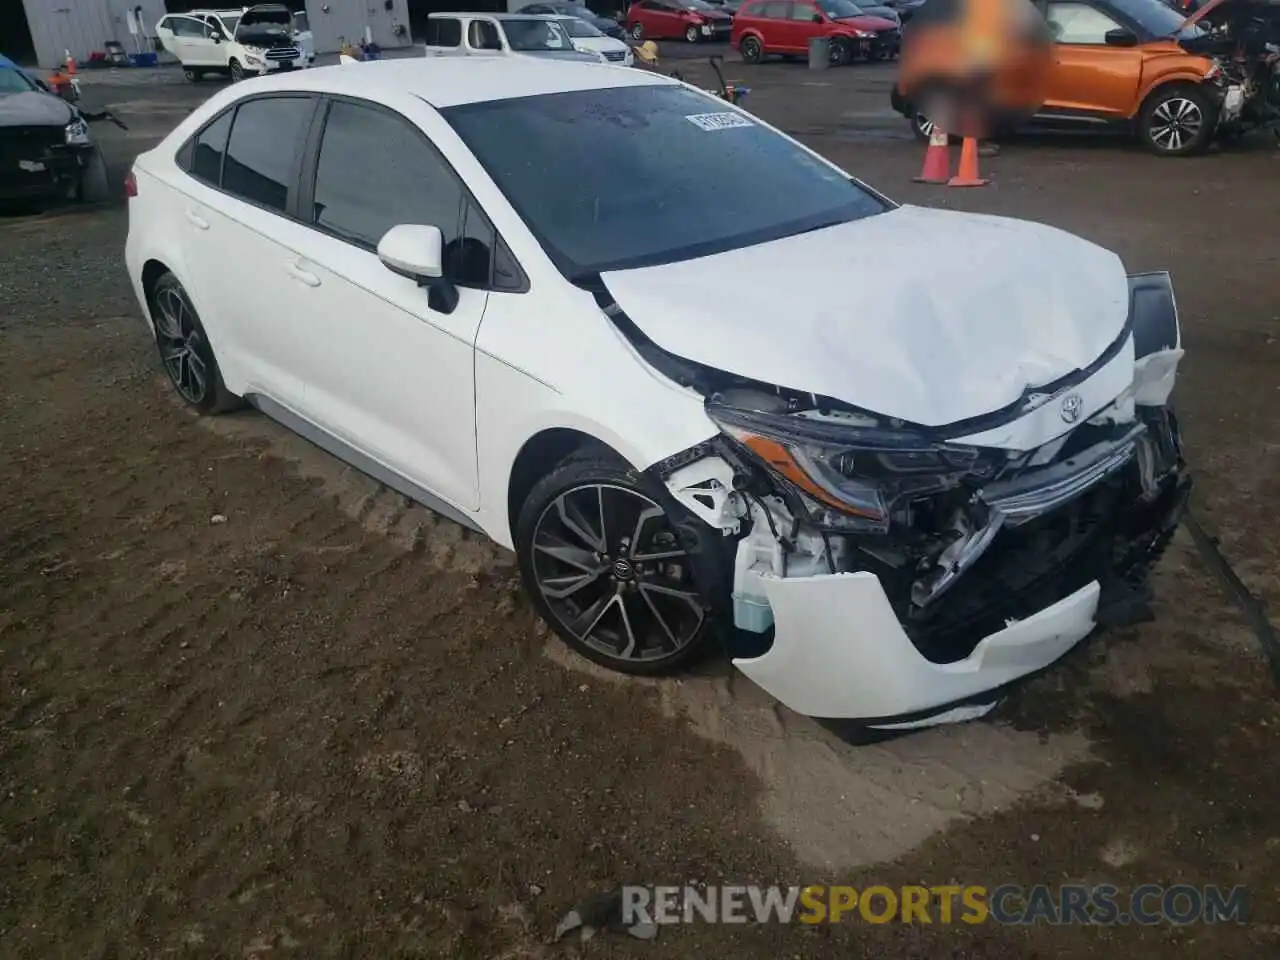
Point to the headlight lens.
(852, 476)
(77, 133)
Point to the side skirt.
(365, 464)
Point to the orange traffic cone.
(70, 63)
(937, 158)
(967, 175)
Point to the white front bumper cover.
(839, 652)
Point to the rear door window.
(264, 148)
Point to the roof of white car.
(450, 81)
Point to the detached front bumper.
(841, 654)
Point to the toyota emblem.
(1071, 405)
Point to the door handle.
(303, 276)
(199, 222)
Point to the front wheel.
(752, 50)
(237, 71)
(841, 53)
(1176, 121)
(607, 567)
(93, 186)
(691, 34)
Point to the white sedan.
(883, 508)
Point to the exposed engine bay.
(965, 540)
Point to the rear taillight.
(130, 185)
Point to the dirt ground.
(251, 704)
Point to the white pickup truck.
(501, 34)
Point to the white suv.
(244, 42)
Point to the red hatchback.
(764, 27)
(663, 19)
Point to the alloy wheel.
(615, 575)
(1175, 123)
(180, 343)
(637, 31)
(751, 51)
(924, 125)
(237, 71)
(691, 34)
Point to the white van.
(251, 40)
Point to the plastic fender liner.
(1153, 313)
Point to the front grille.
(616, 56)
(28, 143)
(283, 53)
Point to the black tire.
(180, 336)
(922, 126)
(841, 53)
(655, 610)
(637, 32)
(235, 70)
(195, 76)
(94, 186)
(752, 50)
(1177, 120)
(691, 34)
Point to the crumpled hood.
(34, 108)
(927, 315)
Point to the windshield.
(580, 29)
(300, 22)
(839, 9)
(536, 35)
(1157, 19)
(700, 5)
(14, 81)
(647, 196)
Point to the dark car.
(46, 150)
(905, 9)
(610, 28)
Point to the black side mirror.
(1120, 37)
(817, 18)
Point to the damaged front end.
(888, 576)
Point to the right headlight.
(852, 476)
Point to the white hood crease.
(931, 316)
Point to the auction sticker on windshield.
(719, 121)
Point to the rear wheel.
(608, 569)
(637, 31)
(752, 50)
(1176, 121)
(691, 33)
(185, 351)
(195, 76)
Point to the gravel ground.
(331, 726)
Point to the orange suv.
(1132, 65)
